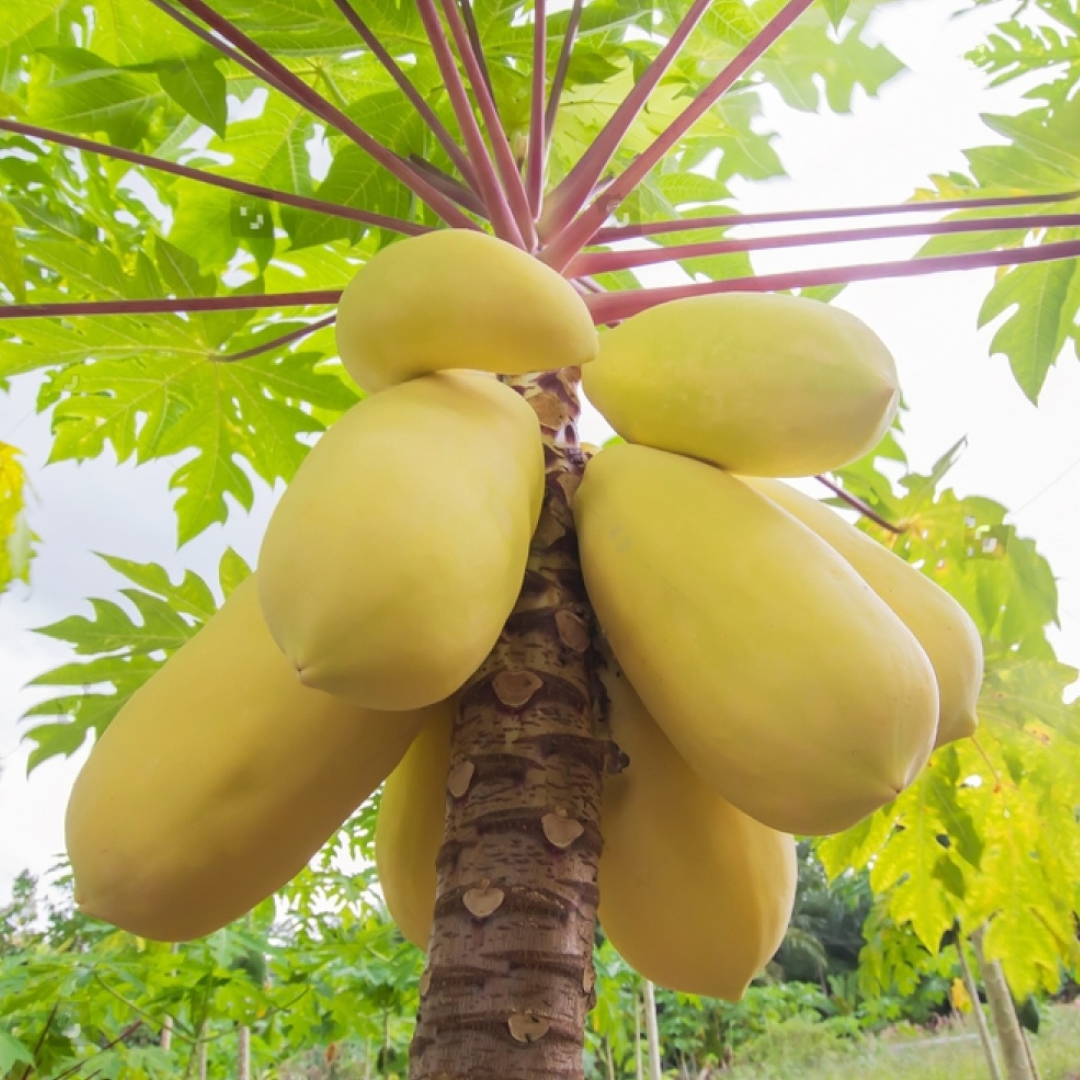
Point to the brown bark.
(509, 979)
(652, 1032)
(1010, 1036)
(977, 1012)
(243, 1052)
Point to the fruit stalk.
(509, 979)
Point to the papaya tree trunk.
(977, 1012)
(1010, 1036)
(243, 1052)
(509, 977)
(652, 1032)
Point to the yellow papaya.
(219, 780)
(695, 894)
(941, 626)
(409, 830)
(758, 384)
(775, 670)
(456, 298)
(397, 552)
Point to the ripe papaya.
(757, 384)
(456, 298)
(775, 670)
(218, 780)
(695, 894)
(409, 830)
(941, 626)
(397, 552)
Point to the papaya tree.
(173, 169)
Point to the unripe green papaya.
(775, 670)
(941, 626)
(695, 894)
(219, 780)
(457, 298)
(409, 830)
(397, 552)
(758, 384)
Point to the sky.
(1026, 458)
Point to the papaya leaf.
(124, 645)
(907, 868)
(85, 93)
(16, 540)
(13, 1052)
(198, 87)
(152, 388)
(12, 272)
(232, 571)
(1043, 318)
(836, 10)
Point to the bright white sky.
(1026, 458)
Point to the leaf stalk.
(656, 228)
(407, 87)
(599, 262)
(303, 94)
(614, 307)
(499, 212)
(573, 192)
(471, 54)
(570, 240)
(170, 305)
(242, 187)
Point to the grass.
(802, 1051)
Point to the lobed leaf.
(124, 646)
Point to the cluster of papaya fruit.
(774, 670)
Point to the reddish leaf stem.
(31, 1065)
(226, 50)
(512, 184)
(450, 187)
(398, 225)
(502, 219)
(168, 305)
(561, 68)
(573, 191)
(612, 307)
(276, 343)
(477, 45)
(599, 262)
(657, 228)
(437, 127)
(122, 1037)
(857, 504)
(534, 175)
(581, 230)
(300, 92)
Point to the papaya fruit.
(409, 830)
(779, 675)
(218, 781)
(695, 894)
(397, 552)
(457, 298)
(758, 384)
(940, 625)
